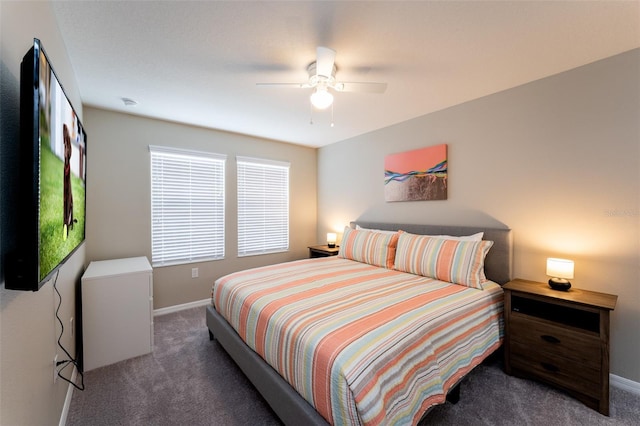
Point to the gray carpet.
(189, 380)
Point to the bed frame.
(288, 405)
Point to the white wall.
(28, 330)
(557, 160)
(119, 200)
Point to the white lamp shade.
(559, 268)
(331, 238)
(321, 98)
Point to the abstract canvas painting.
(416, 175)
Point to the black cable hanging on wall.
(71, 360)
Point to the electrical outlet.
(194, 272)
(55, 368)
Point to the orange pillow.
(374, 248)
(455, 261)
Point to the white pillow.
(381, 231)
(474, 237)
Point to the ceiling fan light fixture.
(321, 98)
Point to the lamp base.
(559, 284)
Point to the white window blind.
(263, 206)
(187, 206)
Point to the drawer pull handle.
(549, 367)
(550, 339)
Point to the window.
(187, 206)
(263, 206)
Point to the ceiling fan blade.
(361, 87)
(325, 59)
(285, 85)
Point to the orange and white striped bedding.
(362, 344)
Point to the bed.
(374, 362)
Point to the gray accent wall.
(556, 160)
(28, 328)
(119, 199)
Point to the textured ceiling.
(199, 62)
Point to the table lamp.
(331, 239)
(559, 270)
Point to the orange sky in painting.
(416, 160)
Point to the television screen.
(53, 160)
(62, 172)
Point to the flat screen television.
(53, 167)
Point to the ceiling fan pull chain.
(331, 115)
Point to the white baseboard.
(67, 399)
(624, 384)
(177, 308)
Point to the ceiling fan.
(322, 77)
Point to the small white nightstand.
(117, 311)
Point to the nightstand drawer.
(538, 337)
(556, 369)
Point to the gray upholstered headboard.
(498, 265)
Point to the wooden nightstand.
(560, 338)
(323, 251)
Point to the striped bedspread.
(362, 344)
